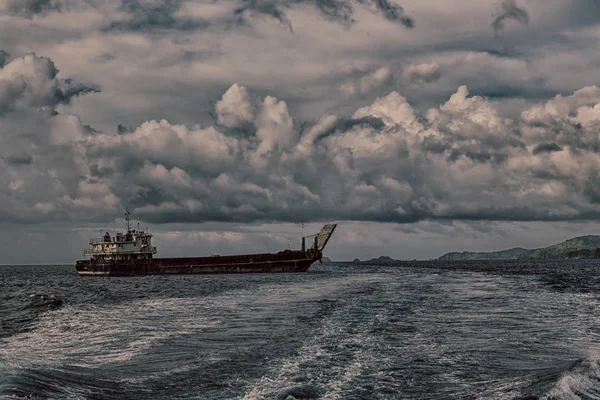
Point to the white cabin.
(130, 245)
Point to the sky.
(419, 127)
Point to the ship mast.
(128, 219)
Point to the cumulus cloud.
(274, 131)
(368, 82)
(566, 120)
(422, 73)
(42, 152)
(509, 10)
(363, 81)
(387, 162)
(31, 81)
(235, 107)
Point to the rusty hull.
(285, 261)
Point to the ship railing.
(99, 241)
(92, 252)
(112, 240)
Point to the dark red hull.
(285, 261)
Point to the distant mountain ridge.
(578, 247)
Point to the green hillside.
(579, 247)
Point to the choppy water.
(427, 330)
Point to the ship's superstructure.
(131, 253)
(133, 244)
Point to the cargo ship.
(131, 253)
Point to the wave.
(69, 382)
(571, 380)
(49, 302)
(580, 381)
(20, 314)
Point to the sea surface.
(416, 330)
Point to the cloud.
(31, 81)
(546, 148)
(462, 160)
(274, 131)
(392, 109)
(235, 107)
(505, 148)
(509, 10)
(422, 73)
(264, 7)
(368, 82)
(389, 161)
(3, 58)
(391, 12)
(18, 159)
(363, 81)
(204, 49)
(335, 10)
(28, 8)
(68, 89)
(41, 149)
(152, 15)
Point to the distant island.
(579, 247)
(376, 261)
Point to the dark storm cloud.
(510, 10)
(148, 16)
(345, 124)
(546, 148)
(475, 154)
(455, 149)
(28, 8)
(165, 14)
(270, 8)
(18, 159)
(3, 57)
(100, 172)
(392, 12)
(434, 145)
(336, 10)
(32, 81)
(69, 89)
(121, 129)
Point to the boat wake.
(580, 381)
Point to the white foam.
(95, 334)
(327, 372)
(581, 380)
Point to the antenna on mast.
(302, 231)
(128, 218)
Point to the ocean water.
(419, 330)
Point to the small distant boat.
(131, 253)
